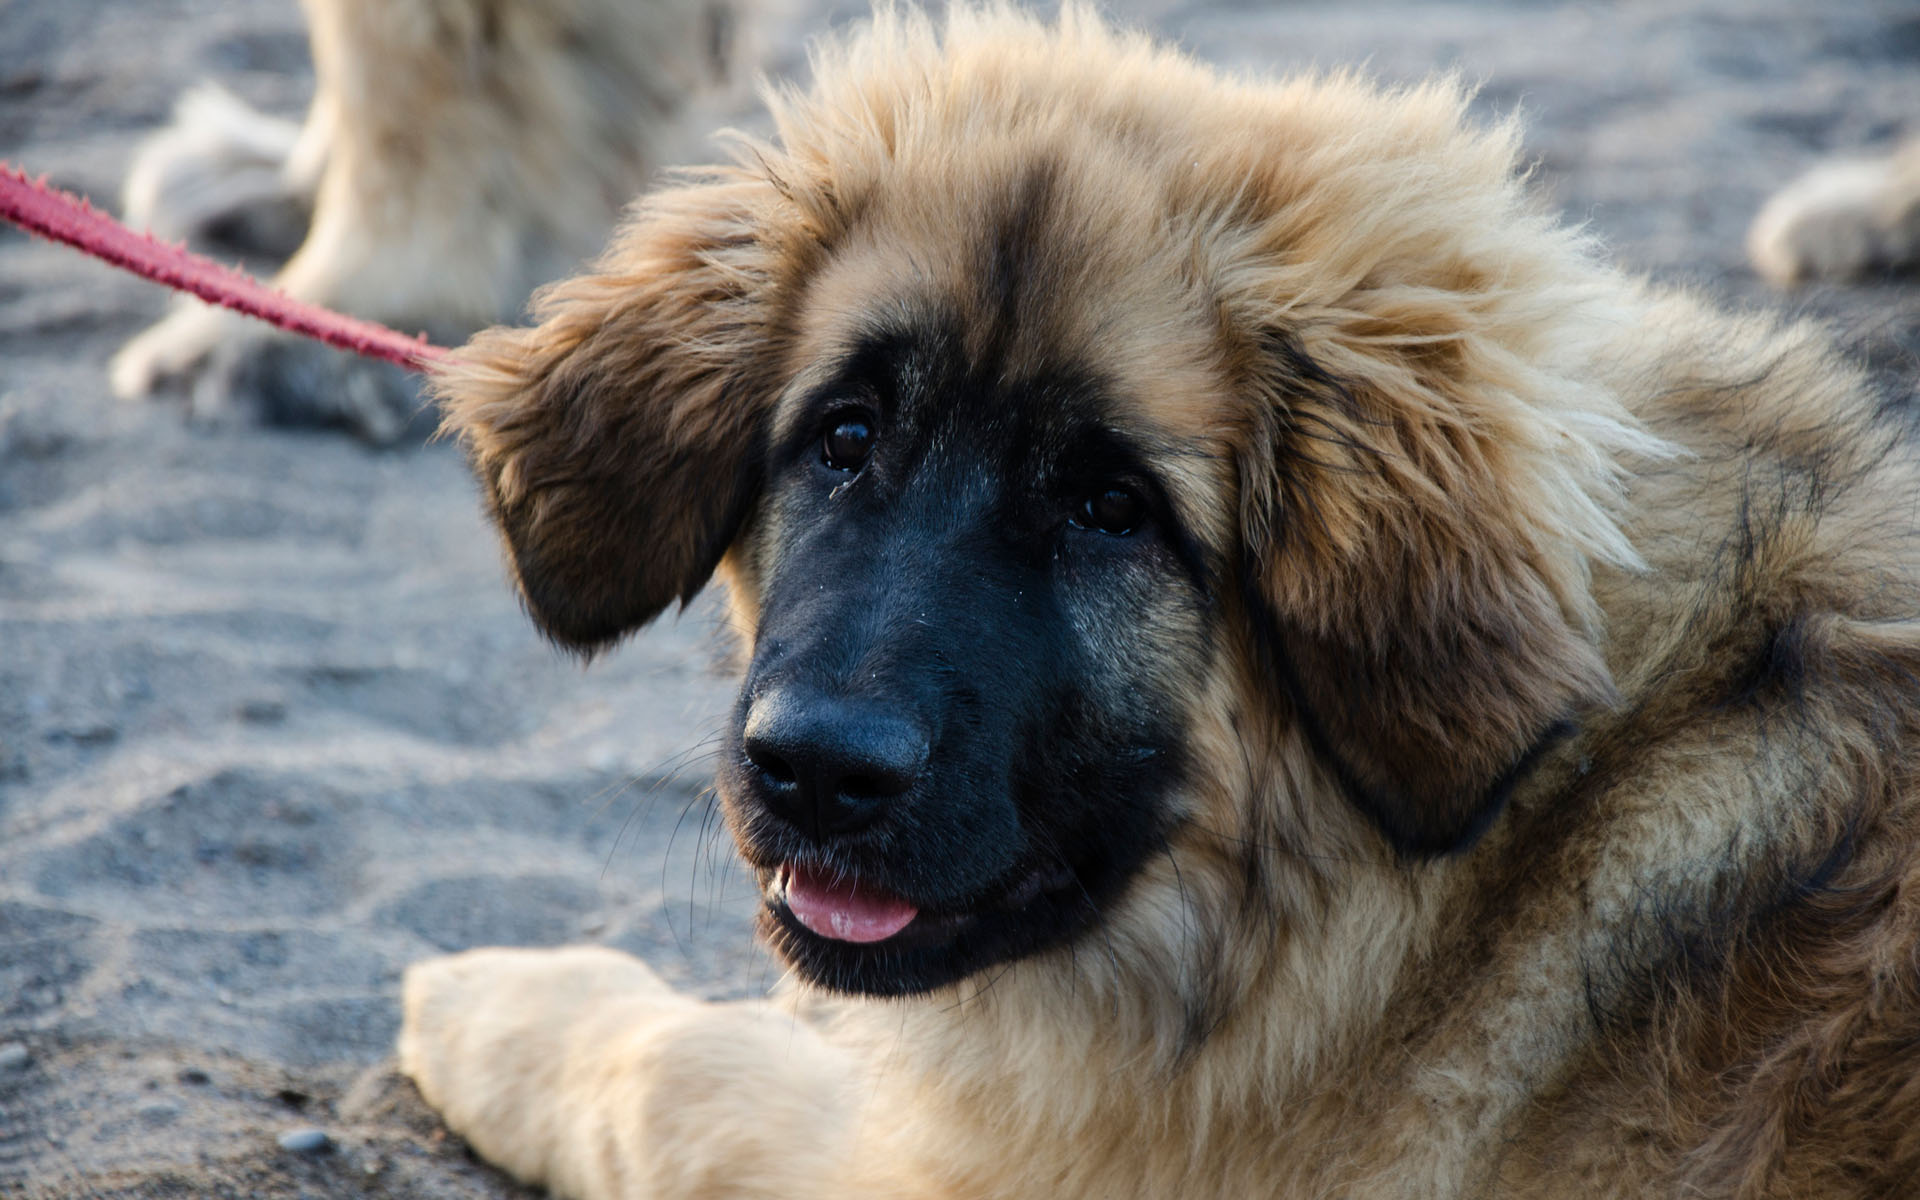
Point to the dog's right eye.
(1114, 511)
(848, 443)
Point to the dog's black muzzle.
(831, 765)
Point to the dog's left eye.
(1114, 511)
(847, 443)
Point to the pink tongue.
(843, 910)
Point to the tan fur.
(457, 154)
(1477, 484)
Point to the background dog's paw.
(231, 365)
(220, 174)
(171, 349)
(1842, 220)
(295, 382)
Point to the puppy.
(1272, 670)
(457, 154)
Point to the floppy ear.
(618, 439)
(1416, 599)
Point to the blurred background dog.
(457, 154)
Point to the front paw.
(172, 349)
(298, 383)
(232, 365)
(580, 1071)
(471, 1016)
(518, 1049)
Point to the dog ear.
(1423, 612)
(618, 438)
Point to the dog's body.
(1302, 681)
(457, 154)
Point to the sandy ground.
(272, 726)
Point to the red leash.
(63, 217)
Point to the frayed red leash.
(63, 217)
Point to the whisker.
(666, 859)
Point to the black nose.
(831, 765)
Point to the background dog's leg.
(226, 175)
(580, 1071)
(466, 152)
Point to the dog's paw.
(1842, 220)
(295, 382)
(170, 350)
(233, 366)
(221, 173)
(524, 1053)
(579, 1070)
(468, 1017)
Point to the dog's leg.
(287, 380)
(580, 1071)
(385, 241)
(1842, 220)
(470, 151)
(222, 173)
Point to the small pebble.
(262, 712)
(22, 83)
(160, 1115)
(13, 1056)
(305, 1141)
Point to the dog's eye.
(1114, 511)
(848, 443)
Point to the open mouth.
(839, 907)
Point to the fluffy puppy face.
(982, 615)
(1047, 400)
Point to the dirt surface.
(272, 726)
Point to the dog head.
(1044, 399)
